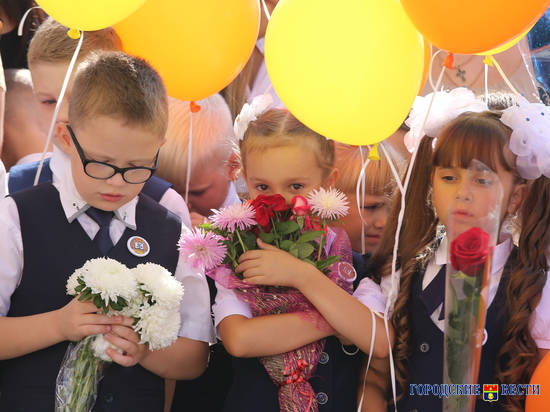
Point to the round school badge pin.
(138, 246)
(346, 271)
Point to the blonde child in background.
(49, 54)
(380, 188)
(212, 166)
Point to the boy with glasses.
(117, 121)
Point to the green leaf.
(115, 306)
(79, 288)
(322, 264)
(311, 262)
(98, 302)
(309, 236)
(305, 250)
(287, 227)
(267, 237)
(293, 250)
(286, 245)
(122, 302)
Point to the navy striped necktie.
(103, 218)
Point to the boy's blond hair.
(51, 44)
(121, 86)
(379, 180)
(212, 133)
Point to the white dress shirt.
(195, 307)
(374, 296)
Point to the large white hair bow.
(530, 140)
(446, 106)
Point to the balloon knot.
(194, 107)
(74, 34)
(373, 153)
(488, 60)
(449, 62)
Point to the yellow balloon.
(506, 46)
(89, 14)
(348, 69)
(197, 46)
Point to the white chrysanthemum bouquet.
(148, 293)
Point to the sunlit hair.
(118, 85)
(279, 128)
(51, 44)
(379, 179)
(483, 137)
(212, 131)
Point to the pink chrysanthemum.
(202, 249)
(237, 216)
(328, 204)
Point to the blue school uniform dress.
(54, 241)
(22, 177)
(425, 364)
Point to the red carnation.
(265, 207)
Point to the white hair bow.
(250, 112)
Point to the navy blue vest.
(426, 363)
(53, 249)
(22, 176)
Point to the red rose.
(265, 206)
(469, 251)
(299, 206)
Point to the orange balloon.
(427, 60)
(541, 377)
(473, 26)
(197, 46)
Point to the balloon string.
(58, 107)
(504, 77)
(529, 72)
(361, 205)
(486, 83)
(393, 169)
(189, 157)
(430, 69)
(394, 277)
(266, 10)
(371, 350)
(23, 19)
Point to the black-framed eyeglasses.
(103, 171)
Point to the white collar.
(73, 204)
(500, 254)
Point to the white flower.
(446, 106)
(106, 277)
(99, 347)
(328, 204)
(530, 139)
(250, 112)
(158, 327)
(160, 285)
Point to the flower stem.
(321, 242)
(275, 232)
(241, 241)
